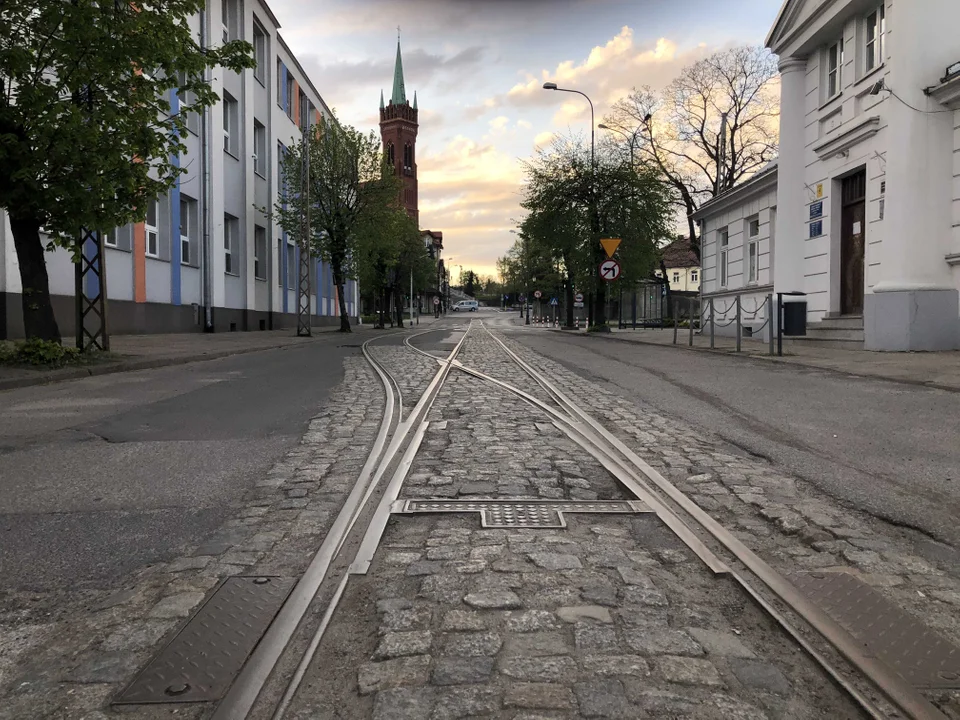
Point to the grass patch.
(45, 354)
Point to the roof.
(399, 91)
(767, 173)
(679, 254)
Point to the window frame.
(188, 223)
(260, 53)
(259, 253)
(291, 266)
(694, 276)
(723, 250)
(873, 49)
(107, 242)
(231, 134)
(229, 245)
(260, 148)
(290, 99)
(834, 73)
(154, 229)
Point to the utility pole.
(721, 155)
(304, 321)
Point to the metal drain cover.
(200, 663)
(520, 513)
(908, 646)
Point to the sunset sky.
(478, 67)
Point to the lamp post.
(594, 220)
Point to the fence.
(733, 313)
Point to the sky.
(478, 67)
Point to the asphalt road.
(887, 448)
(101, 476)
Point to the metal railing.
(708, 314)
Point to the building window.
(231, 227)
(110, 239)
(304, 108)
(291, 267)
(407, 159)
(279, 82)
(391, 158)
(259, 149)
(231, 124)
(153, 228)
(876, 30)
(187, 99)
(280, 262)
(228, 20)
(260, 53)
(290, 98)
(694, 275)
(259, 252)
(834, 69)
(676, 276)
(188, 230)
(883, 190)
(723, 238)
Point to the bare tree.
(713, 126)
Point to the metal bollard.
(676, 322)
(738, 323)
(690, 318)
(770, 320)
(713, 324)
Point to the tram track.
(356, 534)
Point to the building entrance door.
(853, 233)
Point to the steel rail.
(243, 693)
(897, 690)
(378, 522)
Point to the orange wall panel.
(139, 263)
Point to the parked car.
(466, 305)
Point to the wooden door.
(853, 233)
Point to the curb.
(130, 366)
(777, 360)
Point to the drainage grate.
(921, 656)
(520, 513)
(200, 663)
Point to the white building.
(862, 213)
(868, 198)
(207, 257)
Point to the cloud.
(526, 125)
(470, 190)
(543, 139)
(606, 74)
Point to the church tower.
(398, 130)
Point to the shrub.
(39, 353)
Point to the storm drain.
(200, 663)
(922, 657)
(520, 513)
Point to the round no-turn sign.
(436, 301)
(578, 297)
(609, 270)
(537, 294)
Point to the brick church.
(398, 132)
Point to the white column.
(914, 306)
(791, 193)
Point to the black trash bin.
(795, 318)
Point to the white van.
(466, 305)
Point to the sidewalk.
(937, 370)
(143, 352)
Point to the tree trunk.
(344, 316)
(399, 305)
(38, 319)
(568, 294)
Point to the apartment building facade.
(208, 255)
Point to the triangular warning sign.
(610, 245)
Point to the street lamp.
(594, 220)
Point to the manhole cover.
(520, 513)
(200, 663)
(921, 656)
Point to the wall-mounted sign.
(816, 228)
(816, 210)
(819, 190)
(857, 228)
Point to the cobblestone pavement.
(67, 661)
(413, 372)
(611, 617)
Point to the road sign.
(436, 301)
(609, 270)
(537, 294)
(578, 304)
(578, 298)
(553, 301)
(610, 246)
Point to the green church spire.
(414, 99)
(381, 99)
(399, 91)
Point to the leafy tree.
(678, 130)
(352, 192)
(86, 138)
(571, 205)
(469, 282)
